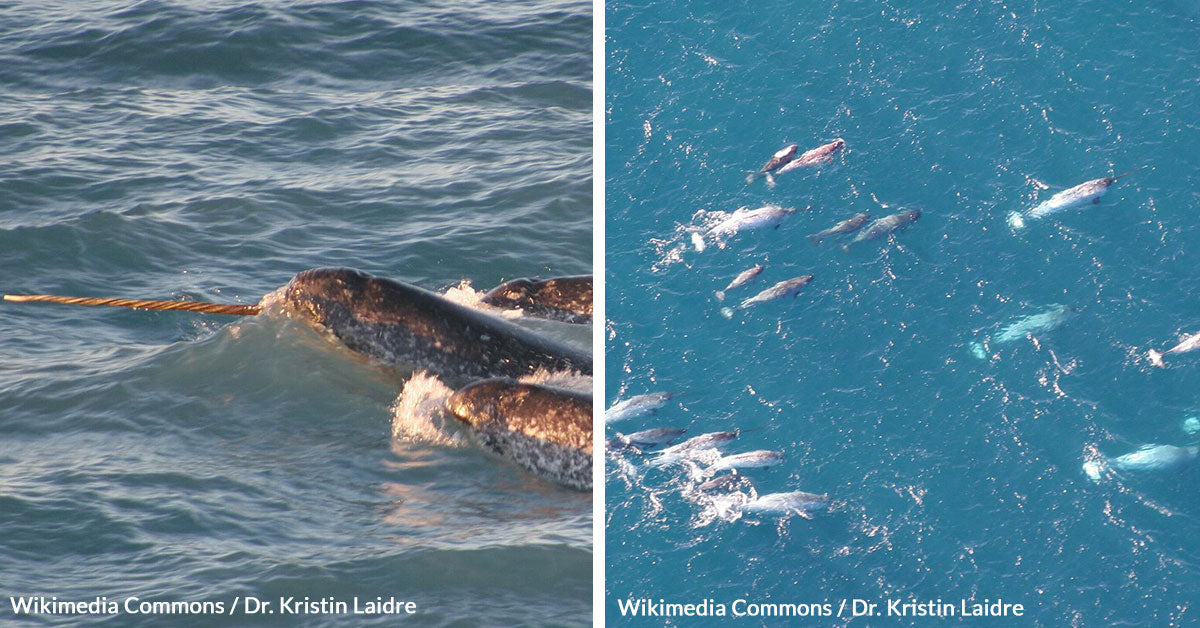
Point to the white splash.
(463, 294)
(670, 249)
(418, 415)
(273, 301)
(727, 508)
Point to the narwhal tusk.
(141, 304)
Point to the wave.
(249, 43)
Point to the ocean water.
(210, 151)
(953, 477)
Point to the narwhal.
(567, 299)
(1086, 192)
(411, 328)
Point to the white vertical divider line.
(599, 322)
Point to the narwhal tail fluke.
(139, 304)
(815, 238)
(1094, 469)
(1156, 358)
(695, 472)
(727, 312)
(720, 295)
(770, 180)
(1016, 220)
(751, 177)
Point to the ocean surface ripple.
(210, 152)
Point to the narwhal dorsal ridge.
(408, 326)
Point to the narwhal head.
(517, 290)
(502, 405)
(329, 296)
(322, 295)
(404, 326)
(478, 404)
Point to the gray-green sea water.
(210, 151)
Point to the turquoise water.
(210, 152)
(953, 477)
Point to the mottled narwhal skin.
(781, 157)
(407, 326)
(1190, 342)
(544, 429)
(849, 225)
(567, 299)
(636, 406)
(1042, 322)
(795, 502)
(742, 219)
(783, 289)
(745, 218)
(759, 459)
(727, 483)
(703, 441)
(710, 442)
(750, 219)
(819, 155)
(743, 278)
(653, 437)
(1086, 192)
(885, 226)
(1145, 458)
(1051, 319)
(1155, 458)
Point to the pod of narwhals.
(720, 227)
(704, 454)
(717, 479)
